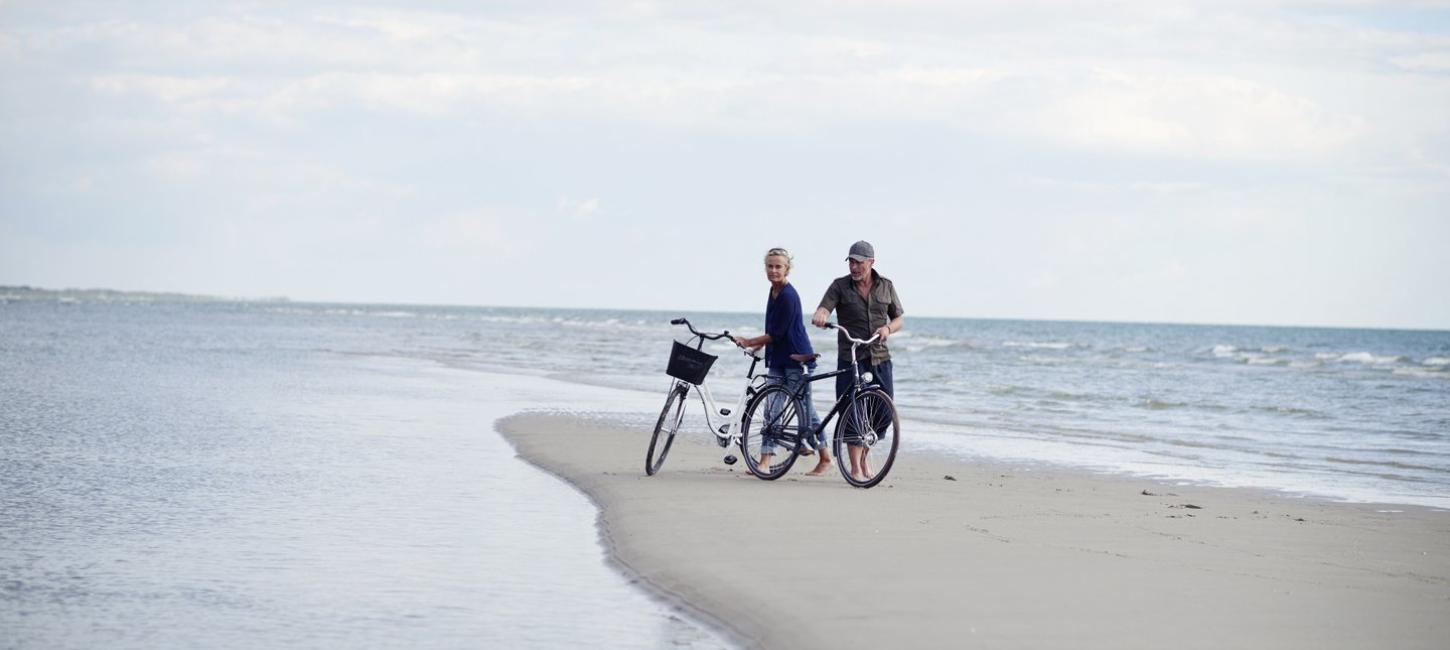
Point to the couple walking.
(865, 303)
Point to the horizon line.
(288, 299)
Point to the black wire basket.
(689, 364)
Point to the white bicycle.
(688, 366)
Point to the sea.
(178, 473)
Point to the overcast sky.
(1157, 160)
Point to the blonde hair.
(781, 252)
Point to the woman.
(784, 337)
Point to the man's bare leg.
(858, 463)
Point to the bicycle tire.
(869, 421)
(669, 424)
(784, 427)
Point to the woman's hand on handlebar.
(745, 344)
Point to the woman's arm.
(754, 341)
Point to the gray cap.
(861, 251)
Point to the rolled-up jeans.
(792, 377)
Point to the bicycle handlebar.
(707, 337)
(850, 338)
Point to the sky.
(1255, 162)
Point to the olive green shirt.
(862, 316)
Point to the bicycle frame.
(728, 432)
(858, 385)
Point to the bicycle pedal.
(730, 459)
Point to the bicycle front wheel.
(773, 430)
(665, 429)
(866, 439)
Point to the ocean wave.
(1261, 360)
(1436, 361)
(1224, 351)
(1292, 411)
(1393, 464)
(1159, 405)
(1037, 345)
(1045, 361)
(918, 343)
(1421, 372)
(1371, 359)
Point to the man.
(866, 304)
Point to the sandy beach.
(956, 554)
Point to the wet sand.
(958, 554)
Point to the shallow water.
(184, 478)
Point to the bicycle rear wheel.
(867, 435)
(774, 424)
(665, 428)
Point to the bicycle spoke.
(867, 438)
(668, 425)
(771, 426)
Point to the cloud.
(726, 70)
(1433, 62)
(1190, 115)
(476, 233)
(577, 207)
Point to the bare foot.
(820, 469)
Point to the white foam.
(1224, 351)
(1370, 359)
(1421, 372)
(1266, 361)
(1037, 345)
(1436, 361)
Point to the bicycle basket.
(689, 364)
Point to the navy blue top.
(787, 329)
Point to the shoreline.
(1194, 475)
(998, 555)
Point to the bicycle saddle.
(804, 358)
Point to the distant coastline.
(15, 293)
(24, 292)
